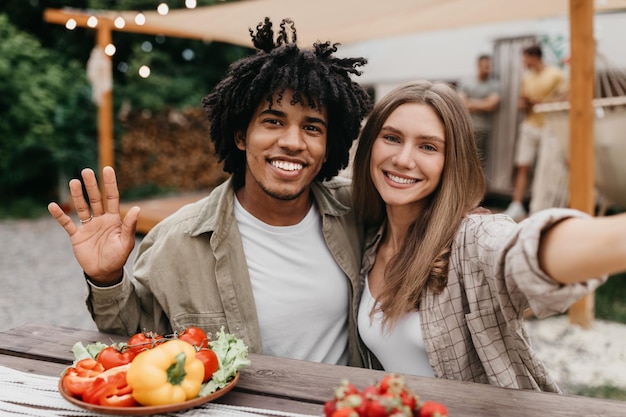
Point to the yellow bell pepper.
(168, 374)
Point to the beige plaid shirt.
(474, 330)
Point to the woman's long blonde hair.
(423, 259)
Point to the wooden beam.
(104, 28)
(61, 16)
(106, 147)
(581, 181)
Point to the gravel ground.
(578, 357)
(40, 279)
(42, 283)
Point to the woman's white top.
(400, 349)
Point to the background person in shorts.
(540, 83)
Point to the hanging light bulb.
(163, 9)
(71, 24)
(140, 19)
(110, 49)
(119, 22)
(92, 22)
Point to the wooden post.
(104, 30)
(106, 147)
(581, 181)
(105, 109)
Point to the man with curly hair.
(272, 254)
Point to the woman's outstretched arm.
(578, 249)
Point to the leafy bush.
(605, 391)
(44, 108)
(609, 299)
(45, 97)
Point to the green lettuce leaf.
(90, 351)
(232, 354)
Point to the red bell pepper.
(79, 377)
(88, 367)
(111, 389)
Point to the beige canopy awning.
(343, 21)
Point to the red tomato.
(144, 341)
(432, 409)
(209, 359)
(195, 336)
(110, 357)
(138, 342)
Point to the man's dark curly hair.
(316, 78)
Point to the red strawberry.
(432, 409)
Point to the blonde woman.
(445, 292)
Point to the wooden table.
(302, 387)
(153, 210)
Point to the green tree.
(46, 112)
(44, 108)
(183, 70)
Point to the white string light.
(119, 22)
(163, 9)
(140, 19)
(71, 24)
(110, 49)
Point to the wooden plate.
(152, 409)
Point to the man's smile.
(286, 165)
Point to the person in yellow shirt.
(541, 83)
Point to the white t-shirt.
(301, 294)
(402, 349)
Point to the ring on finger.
(86, 220)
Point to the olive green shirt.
(191, 270)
